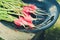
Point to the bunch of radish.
(26, 19)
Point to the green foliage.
(9, 8)
(58, 0)
(1, 38)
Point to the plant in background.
(1, 38)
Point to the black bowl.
(51, 7)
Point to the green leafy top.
(9, 8)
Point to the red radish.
(26, 9)
(30, 25)
(23, 20)
(33, 7)
(20, 21)
(30, 8)
(17, 22)
(26, 19)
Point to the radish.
(30, 8)
(26, 19)
(33, 7)
(23, 20)
(17, 22)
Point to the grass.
(58, 0)
(54, 32)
